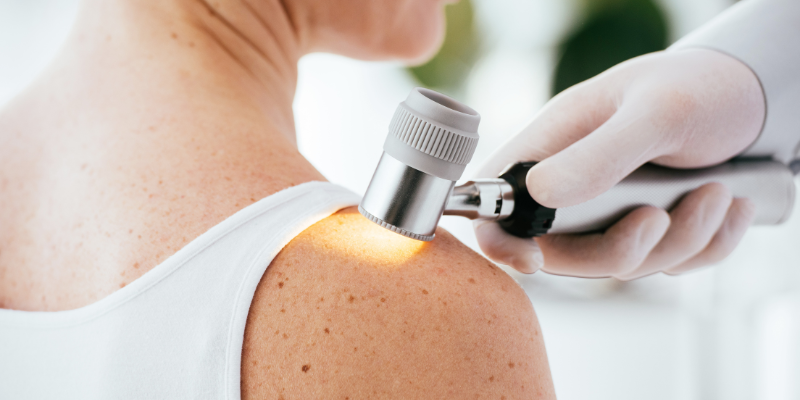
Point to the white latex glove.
(682, 109)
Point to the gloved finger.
(566, 118)
(595, 163)
(695, 220)
(621, 247)
(739, 217)
(522, 254)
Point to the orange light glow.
(355, 236)
(383, 244)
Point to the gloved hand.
(681, 109)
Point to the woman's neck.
(249, 50)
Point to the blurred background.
(727, 332)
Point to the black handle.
(529, 218)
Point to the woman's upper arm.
(349, 310)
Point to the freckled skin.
(158, 121)
(108, 207)
(428, 340)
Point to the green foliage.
(449, 68)
(612, 32)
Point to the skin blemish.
(327, 330)
(470, 280)
(491, 378)
(280, 285)
(510, 365)
(136, 265)
(383, 300)
(424, 291)
(321, 299)
(174, 35)
(285, 336)
(122, 285)
(351, 299)
(306, 368)
(283, 310)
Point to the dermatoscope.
(432, 138)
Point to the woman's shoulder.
(350, 309)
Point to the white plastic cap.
(433, 133)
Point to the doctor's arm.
(730, 88)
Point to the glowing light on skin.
(387, 245)
(352, 234)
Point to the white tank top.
(177, 331)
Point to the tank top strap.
(177, 331)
